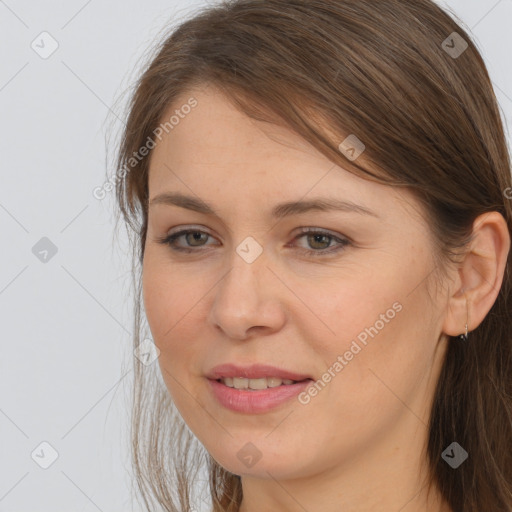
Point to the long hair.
(394, 74)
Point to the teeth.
(264, 383)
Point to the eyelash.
(171, 239)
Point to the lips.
(255, 371)
(248, 401)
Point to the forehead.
(217, 151)
(216, 133)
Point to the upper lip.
(254, 371)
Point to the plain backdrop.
(65, 304)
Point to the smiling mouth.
(244, 384)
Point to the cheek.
(385, 366)
(168, 304)
(170, 301)
(347, 310)
(366, 328)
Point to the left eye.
(322, 238)
(321, 241)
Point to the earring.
(464, 337)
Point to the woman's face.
(356, 317)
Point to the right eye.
(191, 236)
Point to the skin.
(359, 444)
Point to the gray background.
(65, 354)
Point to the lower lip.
(256, 401)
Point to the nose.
(247, 301)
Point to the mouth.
(244, 384)
(255, 388)
(256, 396)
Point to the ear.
(480, 275)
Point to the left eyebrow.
(319, 204)
(278, 212)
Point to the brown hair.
(430, 122)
